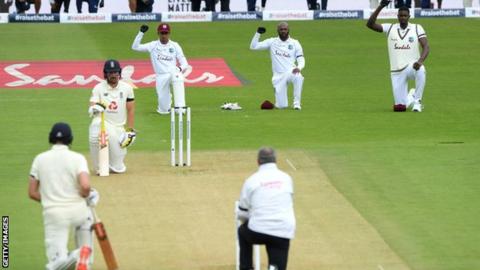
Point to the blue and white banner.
(187, 16)
(440, 12)
(86, 18)
(338, 14)
(301, 15)
(388, 13)
(3, 17)
(237, 16)
(472, 12)
(137, 17)
(34, 18)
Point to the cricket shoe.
(417, 106)
(297, 107)
(410, 98)
(83, 260)
(163, 112)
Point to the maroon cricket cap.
(267, 105)
(163, 28)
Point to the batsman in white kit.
(287, 63)
(406, 62)
(59, 180)
(168, 62)
(114, 100)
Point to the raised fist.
(385, 3)
(144, 28)
(261, 30)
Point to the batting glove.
(128, 138)
(144, 28)
(261, 30)
(93, 198)
(96, 108)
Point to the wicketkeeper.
(164, 54)
(116, 99)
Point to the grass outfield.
(413, 177)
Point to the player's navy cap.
(163, 28)
(61, 132)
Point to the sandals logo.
(86, 74)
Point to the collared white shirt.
(284, 54)
(116, 100)
(403, 44)
(57, 170)
(164, 57)
(268, 196)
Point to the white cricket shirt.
(403, 45)
(284, 54)
(116, 100)
(164, 57)
(268, 196)
(57, 170)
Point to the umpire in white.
(59, 180)
(266, 207)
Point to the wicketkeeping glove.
(261, 30)
(128, 138)
(93, 197)
(385, 3)
(144, 28)
(96, 108)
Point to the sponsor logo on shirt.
(283, 54)
(402, 47)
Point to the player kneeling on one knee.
(284, 52)
(165, 54)
(114, 99)
(59, 180)
(406, 63)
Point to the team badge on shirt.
(290, 47)
(121, 95)
(411, 39)
(171, 50)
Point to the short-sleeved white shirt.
(116, 100)
(164, 57)
(403, 44)
(284, 54)
(58, 170)
(268, 196)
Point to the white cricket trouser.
(373, 4)
(57, 222)
(400, 83)
(164, 96)
(280, 83)
(116, 154)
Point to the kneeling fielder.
(406, 62)
(284, 52)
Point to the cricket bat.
(104, 242)
(103, 162)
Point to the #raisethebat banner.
(121, 6)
